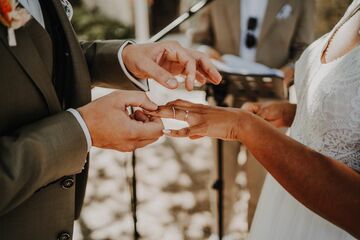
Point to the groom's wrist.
(83, 126)
(140, 83)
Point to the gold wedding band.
(186, 115)
(174, 112)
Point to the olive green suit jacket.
(281, 41)
(43, 149)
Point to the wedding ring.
(174, 112)
(186, 115)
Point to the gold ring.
(174, 112)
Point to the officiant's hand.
(164, 60)
(278, 113)
(111, 126)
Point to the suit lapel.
(273, 7)
(30, 60)
(79, 91)
(233, 15)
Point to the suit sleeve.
(305, 33)
(104, 66)
(203, 32)
(37, 155)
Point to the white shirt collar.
(34, 8)
(251, 8)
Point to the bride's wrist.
(243, 124)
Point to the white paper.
(235, 65)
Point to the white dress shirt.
(34, 8)
(255, 9)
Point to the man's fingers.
(212, 73)
(144, 143)
(177, 53)
(155, 71)
(200, 78)
(137, 99)
(148, 130)
(206, 67)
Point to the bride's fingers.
(173, 113)
(140, 116)
(195, 131)
(181, 103)
(195, 137)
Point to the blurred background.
(173, 174)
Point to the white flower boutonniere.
(13, 17)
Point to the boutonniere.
(13, 17)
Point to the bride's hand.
(278, 113)
(203, 120)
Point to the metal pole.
(182, 18)
(134, 201)
(220, 189)
(219, 93)
(134, 196)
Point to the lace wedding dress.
(328, 121)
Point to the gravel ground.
(173, 178)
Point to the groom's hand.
(162, 61)
(111, 126)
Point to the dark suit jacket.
(42, 147)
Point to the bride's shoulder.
(312, 50)
(352, 7)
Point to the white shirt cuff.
(83, 126)
(140, 83)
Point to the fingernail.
(166, 131)
(172, 83)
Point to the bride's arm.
(328, 187)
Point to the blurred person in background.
(270, 32)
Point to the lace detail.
(328, 112)
(328, 121)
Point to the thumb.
(155, 71)
(139, 99)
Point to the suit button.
(67, 183)
(64, 236)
